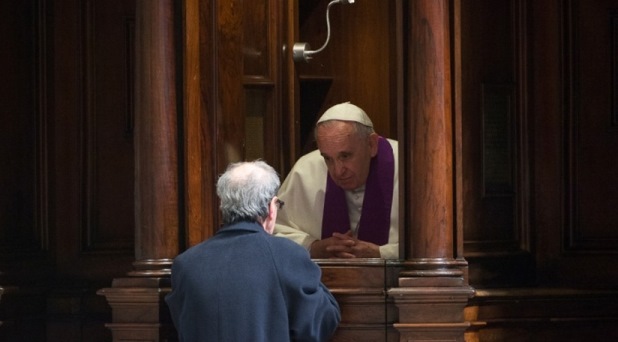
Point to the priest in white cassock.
(342, 199)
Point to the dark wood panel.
(258, 27)
(23, 226)
(573, 160)
(367, 314)
(262, 58)
(230, 100)
(487, 55)
(495, 143)
(592, 137)
(93, 155)
(107, 196)
(543, 314)
(32, 306)
(200, 121)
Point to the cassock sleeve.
(303, 192)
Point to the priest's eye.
(345, 156)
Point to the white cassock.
(303, 193)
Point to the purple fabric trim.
(374, 225)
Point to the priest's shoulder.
(309, 162)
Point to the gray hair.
(358, 128)
(245, 191)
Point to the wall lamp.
(301, 52)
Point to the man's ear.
(373, 144)
(273, 210)
(269, 222)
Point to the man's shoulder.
(223, 234)
(190, 254)
(281, 244)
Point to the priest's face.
(347, 152)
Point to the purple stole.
(375, 220)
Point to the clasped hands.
(344, 246)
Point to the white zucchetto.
(346, 112)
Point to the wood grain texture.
(429, 139)
(157, 219)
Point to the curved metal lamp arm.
(301, 52)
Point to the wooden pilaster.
(433, 287)
(137, 300)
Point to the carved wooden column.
(156, 170)
(137, 300)
(433, 287)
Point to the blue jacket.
(246, 285)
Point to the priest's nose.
(339, 168)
